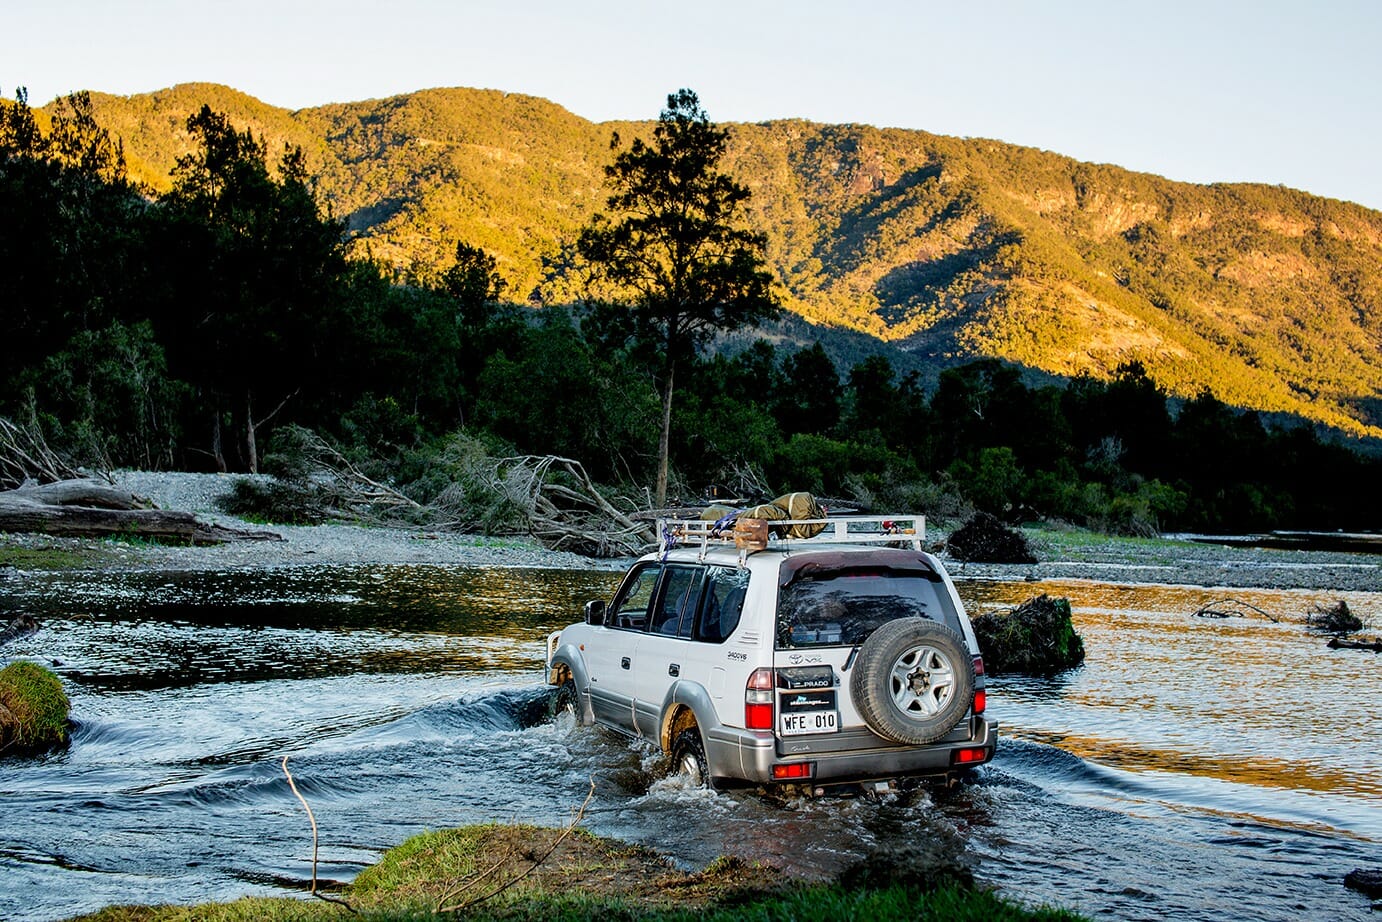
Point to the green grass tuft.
(33, 707)
(47, 558)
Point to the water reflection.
(1186, 763)
(1246, 700)
(127, 631)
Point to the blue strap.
(725, 522)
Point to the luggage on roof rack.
(735, 530)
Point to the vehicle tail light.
(968, 756)
(758, 700)
(981, 700)
(794, 770)
(978, 665)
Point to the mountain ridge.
(947, 248)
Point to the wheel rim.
(690, 767)
(922, 682)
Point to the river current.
(1193, 768)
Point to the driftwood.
(1230, 608)
(25, 455)
(565, 508)
(313, 820)
(1336, 619)
(345, 487)
(89, 509)
(1338, 643)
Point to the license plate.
(800, 723)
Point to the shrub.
(33, 707)
(984, 539)
(278, 501)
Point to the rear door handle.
(624, 663)
(674, 670)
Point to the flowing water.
(1192, 769)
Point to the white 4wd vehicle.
(818, 661)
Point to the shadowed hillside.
(949, 248)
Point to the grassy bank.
(42, 552)
(514, 873)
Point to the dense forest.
(207, 321)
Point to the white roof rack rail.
(844, 529)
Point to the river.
(1193, 768)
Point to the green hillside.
(948, 248)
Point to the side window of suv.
(630, 606)
(722, 603)
(676, 602)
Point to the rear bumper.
(749, 755)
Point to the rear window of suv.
(842, 607)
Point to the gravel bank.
(1063, 555)
(320, 545)
(1198, 565)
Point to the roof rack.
(845, 529)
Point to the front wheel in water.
(688, 759)
(564, 701)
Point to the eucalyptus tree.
(676, 247)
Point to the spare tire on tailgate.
(913, 680)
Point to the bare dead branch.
(276, 410)
(566, 509)
(349, 487)
(313, 820)
(570, 827)
(469, 883)
(25, 455)
(1231, 608)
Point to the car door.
(665, 645)
(610, 652)
(709, 661)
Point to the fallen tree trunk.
(91, 493)
(1338, 643)
(566, 510)
(88, 509)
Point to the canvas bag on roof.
(799, 505)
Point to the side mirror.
(595, 612)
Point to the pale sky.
(1266, 91)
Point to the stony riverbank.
(1062, 554)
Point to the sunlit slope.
(948, 247)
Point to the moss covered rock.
(33, 708)
(1036, 638)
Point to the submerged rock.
(1367, 881)
(1036, 638)
(33, 708)
(22, 626)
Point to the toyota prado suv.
(841, 658)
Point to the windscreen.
(843, 607)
